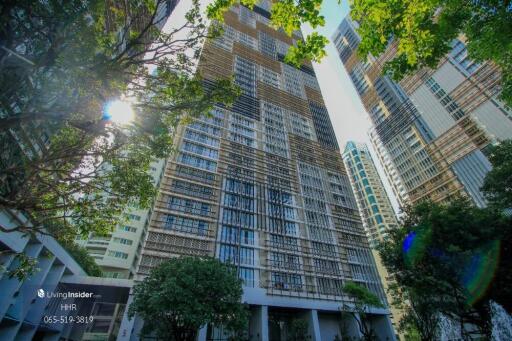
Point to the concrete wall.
(448, 77)
(494, 120)
(437, 118)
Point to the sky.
(348, 116)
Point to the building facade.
(435, 124)
(373, 202)
(262, 185)
(118, 252)
(389, 168)
(374, 205)
(34, 308)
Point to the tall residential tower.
(374, 204)
(435, 124)
(262, 185)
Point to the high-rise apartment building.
(373, 202)
(389, 168)
(435, 124)
(118, 252)
(262, 185)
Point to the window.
(300, 125)
(202, 138)
(229, 254)
(247, 17)
(206, 128)
(284, 281)
(292, 81)
(123, 241)
(198, 162)
(320, 234)
(323, 249)
(282, 242)
(329, 286)
(237, 218)
(247, 40)
(357, 76)
(450, 105)
(199, 150)
(241, 129)
(282, 226)
(245, 76)
(118, 254)
(226, 40)
(127, 228)
(188, 206)
(133, 217)
(238, 201)
(191, 189)
(460, 55)
(241, 187)
(195, 174)
(187, 225)
(284, 261)
(267, 44)
(269, 77)
(326, 266)
(229, 234)
(247, 275)
(239, 138)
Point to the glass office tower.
(262, 185)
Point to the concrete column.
(263, 314)
(201, 336)
(127, 325)
(314, 325)
(258, 324)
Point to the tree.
(82, 257)
(183, 294)
(498, 182)
(424, 31)
(63, 162)
(288, 15)
(363, 300)
(444, 262)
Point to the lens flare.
(414, 246)
(479, 271)
(119, 112)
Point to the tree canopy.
(498, 182)
(424, 31)
(64, 163)
(451, 259)
(183, 294)
(83, 258)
